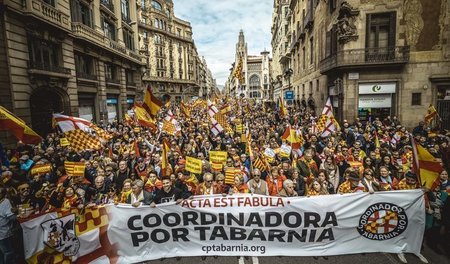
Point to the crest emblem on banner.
(383, 221)
(59, 234)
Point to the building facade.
(374, 58)
(281, 31)
(175, 71)
(256, 74)
(73, 57)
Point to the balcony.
(83, 31)
(108, 5)
(47, 69)
(48, 13)
(369, 57)
(131, 84)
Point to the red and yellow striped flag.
(74, 168)
(17, 127)
(151, 103)
(426, 166)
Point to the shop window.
(416, 99)
(50, 2)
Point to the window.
(143, 5)
(416, 99)
(110, 72)
(128, 39)
(81, 12)
(311, 46)
(84, 65)
(380, 31)
(44, 53)
(156, 5)
(304, 57)
(125, 7)
(254, 82)
(108, 28)
(129, 77)
(50, 2)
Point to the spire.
(241, 38)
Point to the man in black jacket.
(167, 193)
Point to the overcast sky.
(216, 25)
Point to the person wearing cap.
(409, 182)
(350, 185)
(141, 169)
(25, 163)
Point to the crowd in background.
(362, 156)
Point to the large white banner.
(247, 225)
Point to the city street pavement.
(374, 258)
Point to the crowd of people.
(361, 156)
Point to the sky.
(216, 25)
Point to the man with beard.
(167, 193)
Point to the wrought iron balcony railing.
(367, 56)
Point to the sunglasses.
(208, 181)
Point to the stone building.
(374, 58)
(281, 30)
(175, 71)
(256, 72)
(76, 57)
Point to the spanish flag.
(282, 110)
(17, 127)
(164, 158)
(143, 118)
(292, 136)
(151, 103)
(425, 165)
(431, 114)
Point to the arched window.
(255, 83)
(156, 5)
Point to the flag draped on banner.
(17, 127)
(425, 165)
(431, 114)
(294, 137)
(237, 225)
(151, 104)
(327, 124)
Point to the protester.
(131, 167)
